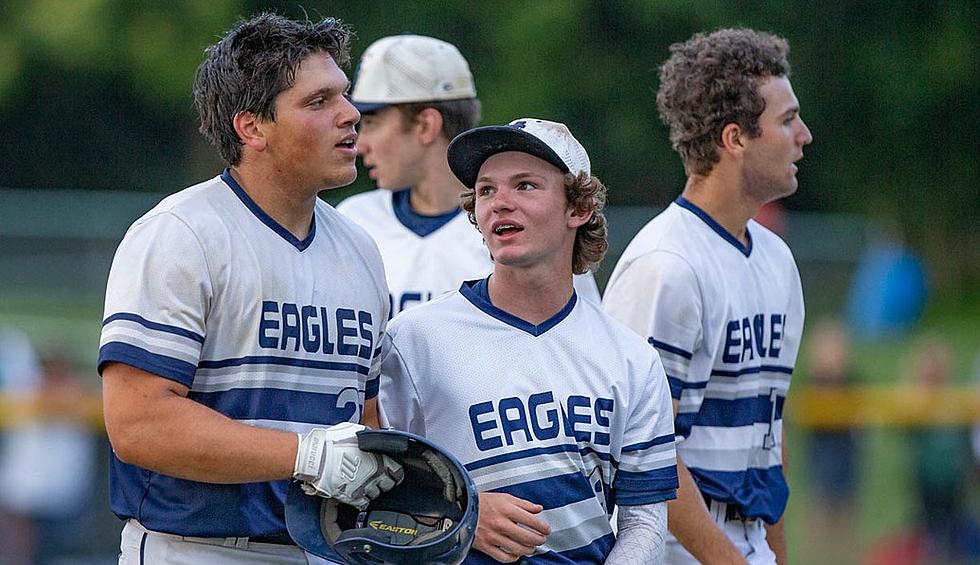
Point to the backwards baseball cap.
(546, 140)
(410, 68)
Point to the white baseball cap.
(410, 68)
(551, 141)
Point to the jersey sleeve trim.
(287, 361)
(154, 325)
(648, 444)
(167, 367)
(670, 348)
(648, 487)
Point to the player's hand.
(507, 528)
(330, 464)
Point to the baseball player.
(719, 296)
(557, 411)
(243, 316)
(415, 94)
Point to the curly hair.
(251, 65)
(711, 81)
(585, 193)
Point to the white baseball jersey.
(727, 321)
(209, 291)
(573, 414)
(426, 256)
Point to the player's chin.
(341, 176)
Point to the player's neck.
(531, 294)
(437, 191)
(723, 200)
(290, 208)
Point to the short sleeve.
(399, 404)
(648, 463)
(658, 296)
(157, 297)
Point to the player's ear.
(249, 130)
(428, 123)
(578, 217)
(732, 138)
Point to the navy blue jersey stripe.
(647, 444)
(752, 370)
(648, 487)
(670, 348)
(553, 492)
(730, 413)
(678, 386)
(758, 493)
(154, 325)
(283, 405)
(161, 365)
(287, 361)
(512, 456)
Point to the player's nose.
(806, 136)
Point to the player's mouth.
(349, 144)
(505, 229)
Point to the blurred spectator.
(47, 456)
(889, 290)
(832, 453)
(942, 464)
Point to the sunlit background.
(97, 125)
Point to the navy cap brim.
(470, 149)
(303, 522)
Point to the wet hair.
(248, 68)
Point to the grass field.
(885, 505)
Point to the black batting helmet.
(429, 517)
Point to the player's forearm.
(640, 536)
(776, 536)
(689, 521)
(165, 432)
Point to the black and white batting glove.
(330, 464)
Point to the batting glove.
(330, 464)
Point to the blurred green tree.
(96, 94)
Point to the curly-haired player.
(719, 295)
(558, 411)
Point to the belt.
(732, 512)
(281, 538)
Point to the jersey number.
(769, 440)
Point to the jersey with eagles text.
(209, 291)
(727, 319)
(573, 413)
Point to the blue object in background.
(889, 291)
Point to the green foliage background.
(95, 94)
